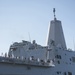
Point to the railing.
(29, 61)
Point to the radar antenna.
(54, 13)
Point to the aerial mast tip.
(54, 13)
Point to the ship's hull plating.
(19, 69)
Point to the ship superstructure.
(26, 58)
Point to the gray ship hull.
(19, 69)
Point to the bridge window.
(13, 49)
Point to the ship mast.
(54, 13)
(55, 33)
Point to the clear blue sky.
(19, 18)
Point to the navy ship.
(26, 58)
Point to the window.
(69, 73)
(70, 59)
(65, 54)
(58, 72)
(58, 62)
(73, 59)
(65, 73)
(58, 56)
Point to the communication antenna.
(29, 37)
(54, 13)
(74, 44)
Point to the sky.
(29, 20)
